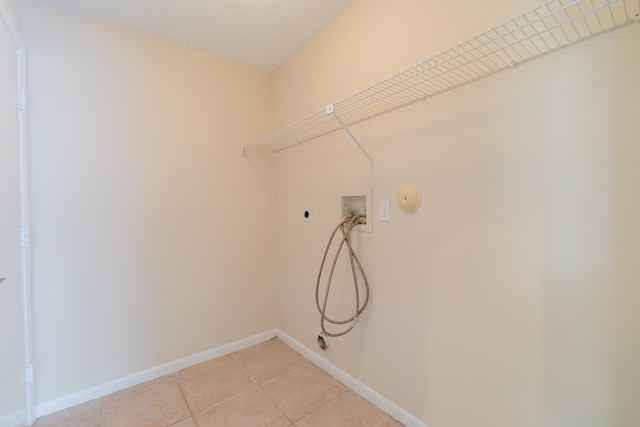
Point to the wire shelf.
(544, 29)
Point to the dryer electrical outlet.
(357, 202)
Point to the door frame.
(25, 253)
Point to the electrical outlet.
(383, 211)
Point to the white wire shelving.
(543, 29)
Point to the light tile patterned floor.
(268, 384)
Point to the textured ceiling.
(259, 33)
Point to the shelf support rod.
(331, 109)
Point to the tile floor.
(268, 384)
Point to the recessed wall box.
(357, 202)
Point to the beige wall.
(510, 298)
(152, 236)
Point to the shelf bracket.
(331, 109)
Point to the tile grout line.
(381, 413)
(237, 363)
(184, 397)
(264, 391)
(307, 363)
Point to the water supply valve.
(322, 341)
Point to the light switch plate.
(383, 211)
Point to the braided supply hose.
(346, 225)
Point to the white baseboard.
(17, 419)
(98, 391)
(357, 386)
